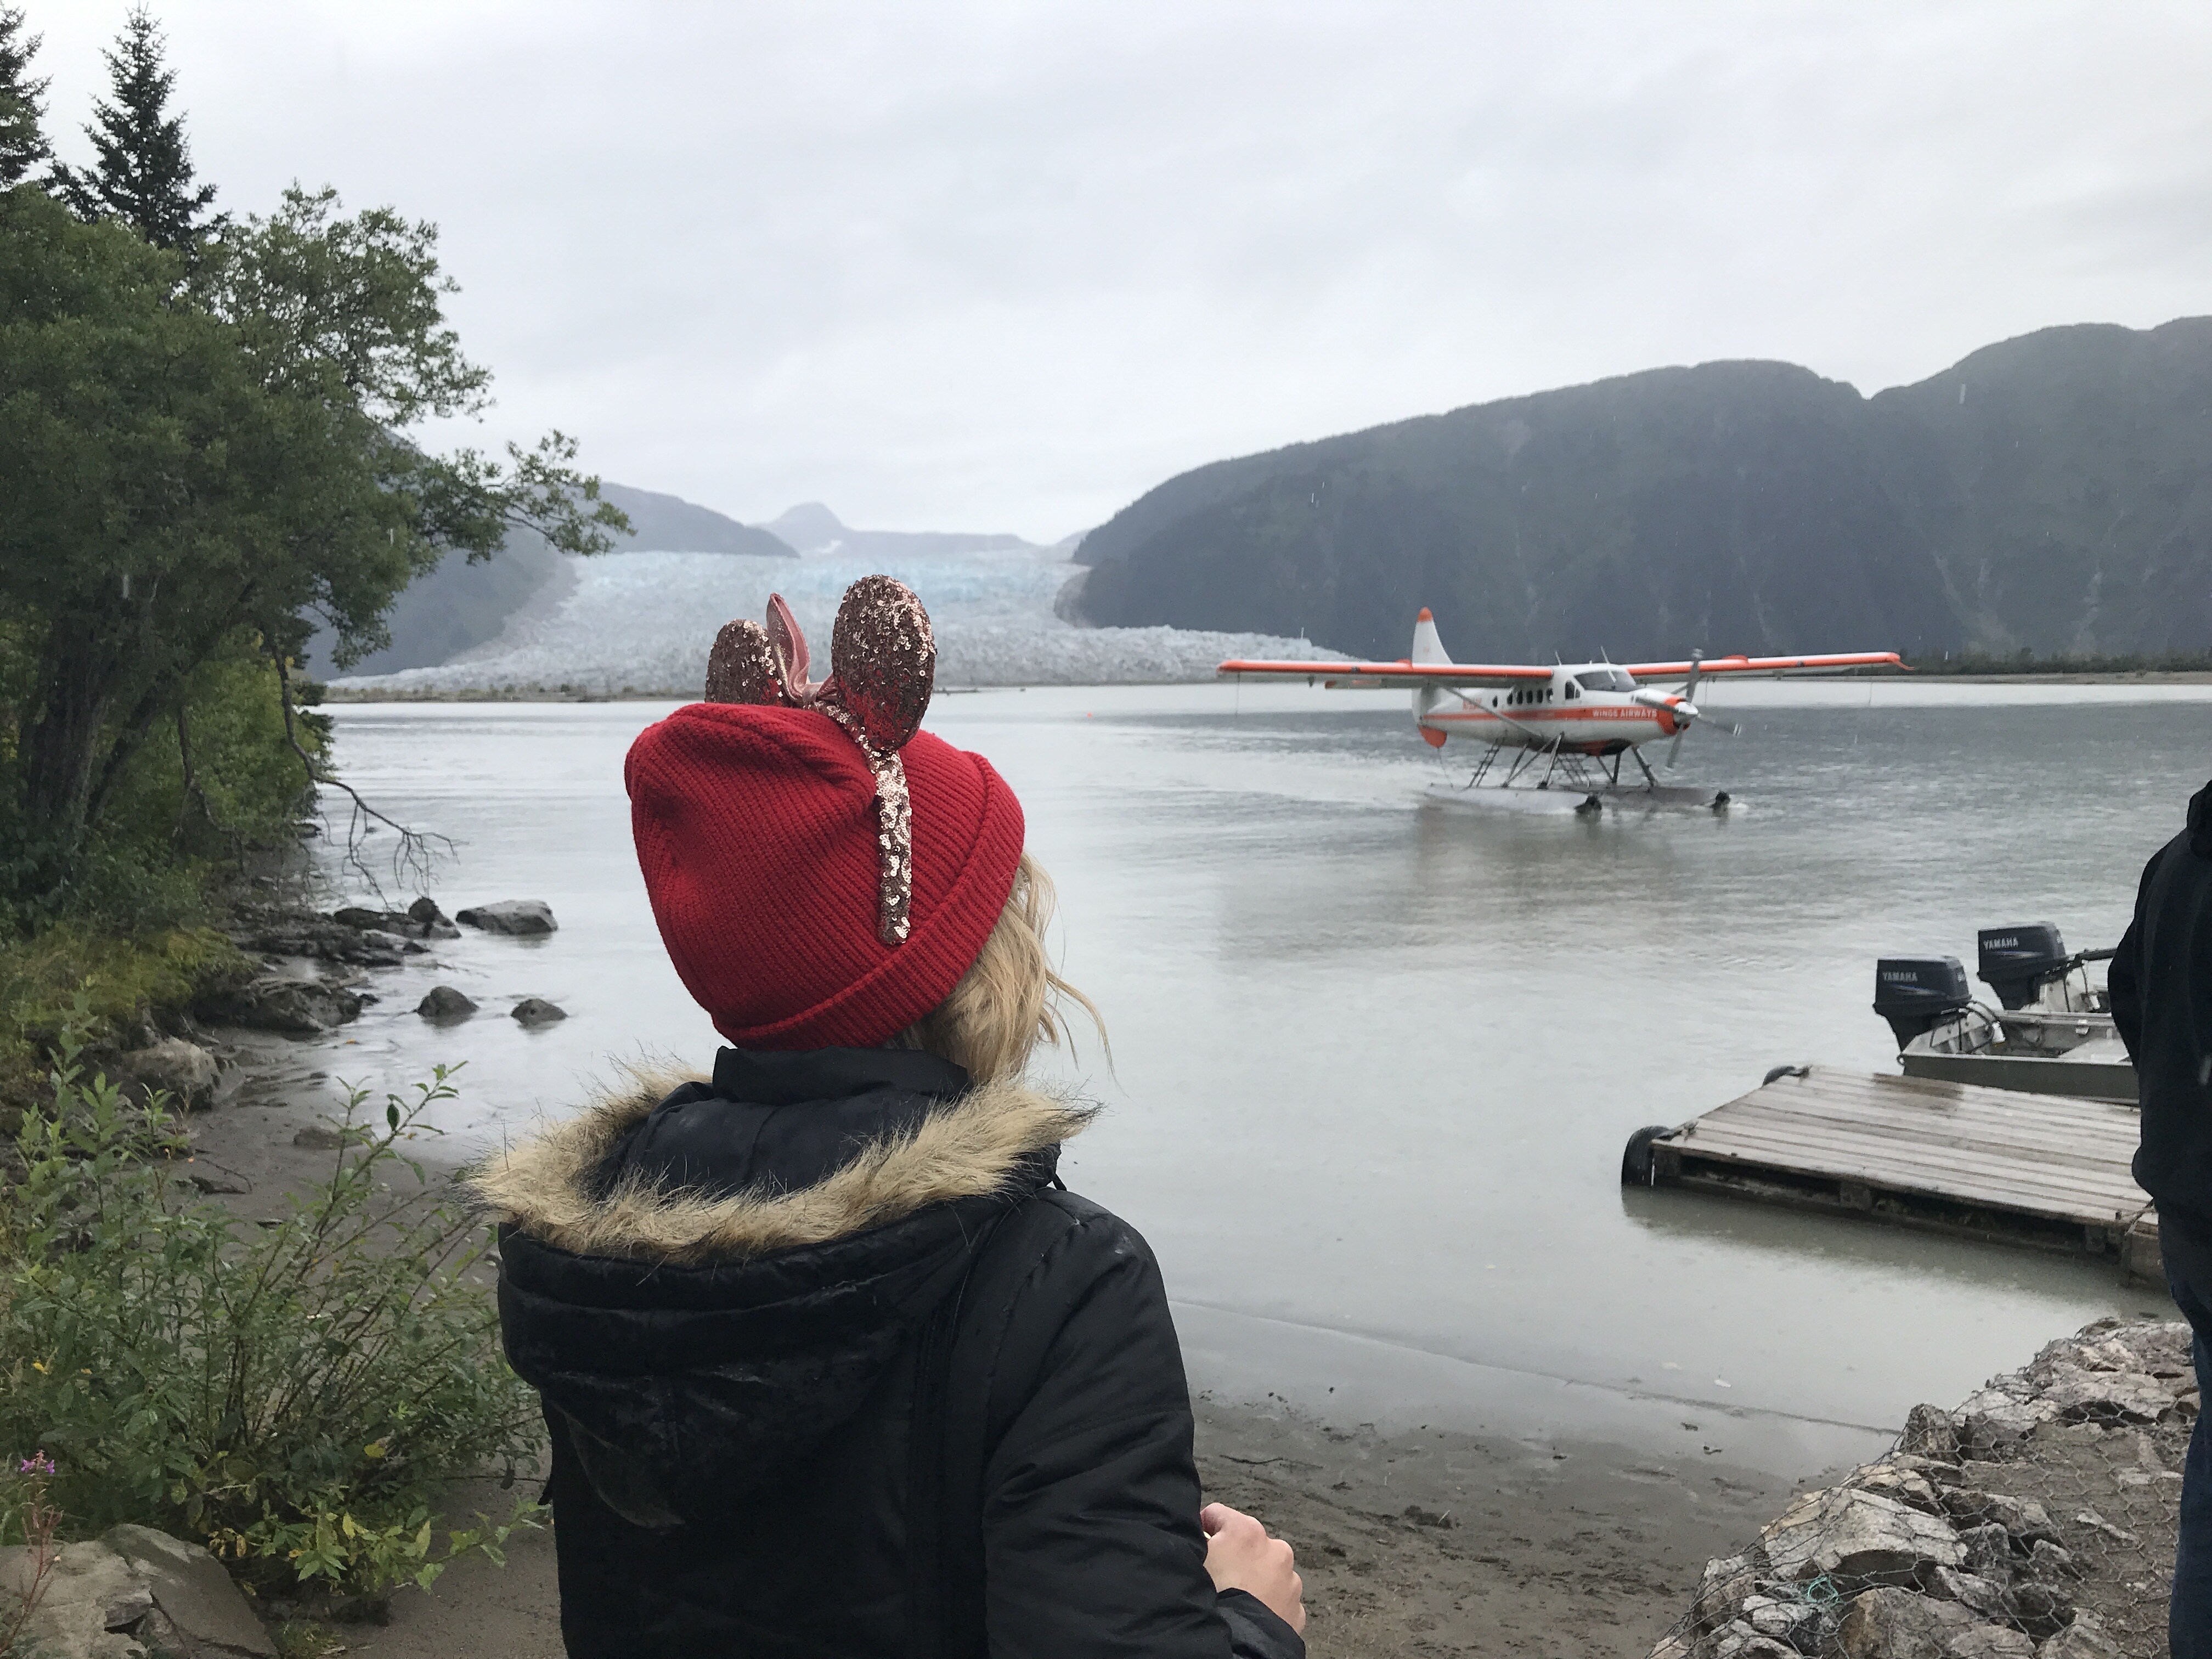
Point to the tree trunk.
(77, 683)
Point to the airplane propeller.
(1687, 714)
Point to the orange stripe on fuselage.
(1659, 720)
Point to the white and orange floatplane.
(1566, 720)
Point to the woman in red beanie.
(832, 1363)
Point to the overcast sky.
(977, 265)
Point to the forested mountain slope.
(2053, 492)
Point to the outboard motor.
(2017, 962)
(1915, 994)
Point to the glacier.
(641, 624)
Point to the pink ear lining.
(883, 674)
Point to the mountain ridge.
(2064, 502)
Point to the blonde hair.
(1011, 998)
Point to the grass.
(80, 977)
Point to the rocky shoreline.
(312, 973)
(2035, 1521)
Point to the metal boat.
(2053, 1033)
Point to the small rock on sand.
(183, 1070)
(523, 918)
(444, 1002)
(319, 1138)
(536, 1011)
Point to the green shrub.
(297, 1395)
(77, 976)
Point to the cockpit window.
(1606, 679)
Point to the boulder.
(523, 918)
(328, 939)
(1893, 1479)
(430, 920)
(1726, 1582)
(1740, 1641)
(2078, 1395)
(1858, 1538)
(1794, 1623)
(2160, 1348)
(445, 1003)
(297, 1007)
(536, 1011)
(204, 1611)
(421, 919)
(1934, 1470)
(385, 921)
(1673, 1646)
(2023, 1518)
(91, 1602)
(2041, 1610)
(1990, 1642)
(1983, 1595)
(319, 1138)
(1930, 1431)
(1988, 1550)
(2085, 1638)
(2050, 1563)
(183, 1070)
(1993, 1419)
(2154, 1348)
(1896, 1623)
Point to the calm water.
(1375, 1059)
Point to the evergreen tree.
(22, 140)
(145, 172)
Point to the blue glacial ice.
(642, 624)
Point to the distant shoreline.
(555, 694)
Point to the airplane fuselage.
(1580, 708)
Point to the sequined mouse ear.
(884, 668)
(742, 667)
(884, 658)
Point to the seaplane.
(1565, 721)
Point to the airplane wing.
(1385, 676)
(1775, 665)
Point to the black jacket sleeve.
(1092, 1544)
(2124, 979)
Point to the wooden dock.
(2049, 1171)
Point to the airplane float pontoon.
(1569, 718)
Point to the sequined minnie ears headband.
(883, 668)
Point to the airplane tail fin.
(1427, 648)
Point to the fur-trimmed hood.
(704, 1282)
(553, 1186)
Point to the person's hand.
(1239, 1555)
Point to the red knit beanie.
(756, 830)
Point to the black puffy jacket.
(2161, 991)
(832, 1366)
